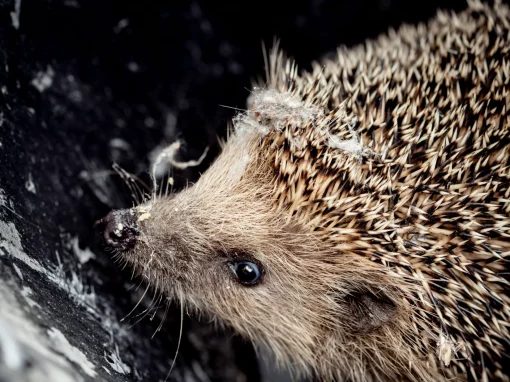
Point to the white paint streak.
(62, 345)
(19, 336)
(81, 293)
(10, 245)
(75, 288)
(78, 291)
(10, 242)
(83, 255)
(116, 363)
(18, 271)
(3, 198)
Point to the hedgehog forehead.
(270, 111)
(272, 99)
(276, 115)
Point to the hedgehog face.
(224, 248)
(221, 248)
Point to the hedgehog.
(357, 220)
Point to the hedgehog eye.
(247, 273)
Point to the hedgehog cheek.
(369, 311)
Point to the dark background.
(86, 83)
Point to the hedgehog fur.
(375, 193)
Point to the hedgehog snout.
(120, 229)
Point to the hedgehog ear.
(369, 310)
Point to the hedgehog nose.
(120, 230)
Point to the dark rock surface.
(85, 84)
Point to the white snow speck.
(144, 216)
(149, 122)
(118, 230)
(133, 67)
(121, 25)
(119, 143)
(29, 184)
(15, 15)
(62, 345)
(71, 3)
(83, 255)
(43, 80)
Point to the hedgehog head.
(245, 243)
(356, 222)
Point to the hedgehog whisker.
(178, 341)
(138, 303)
